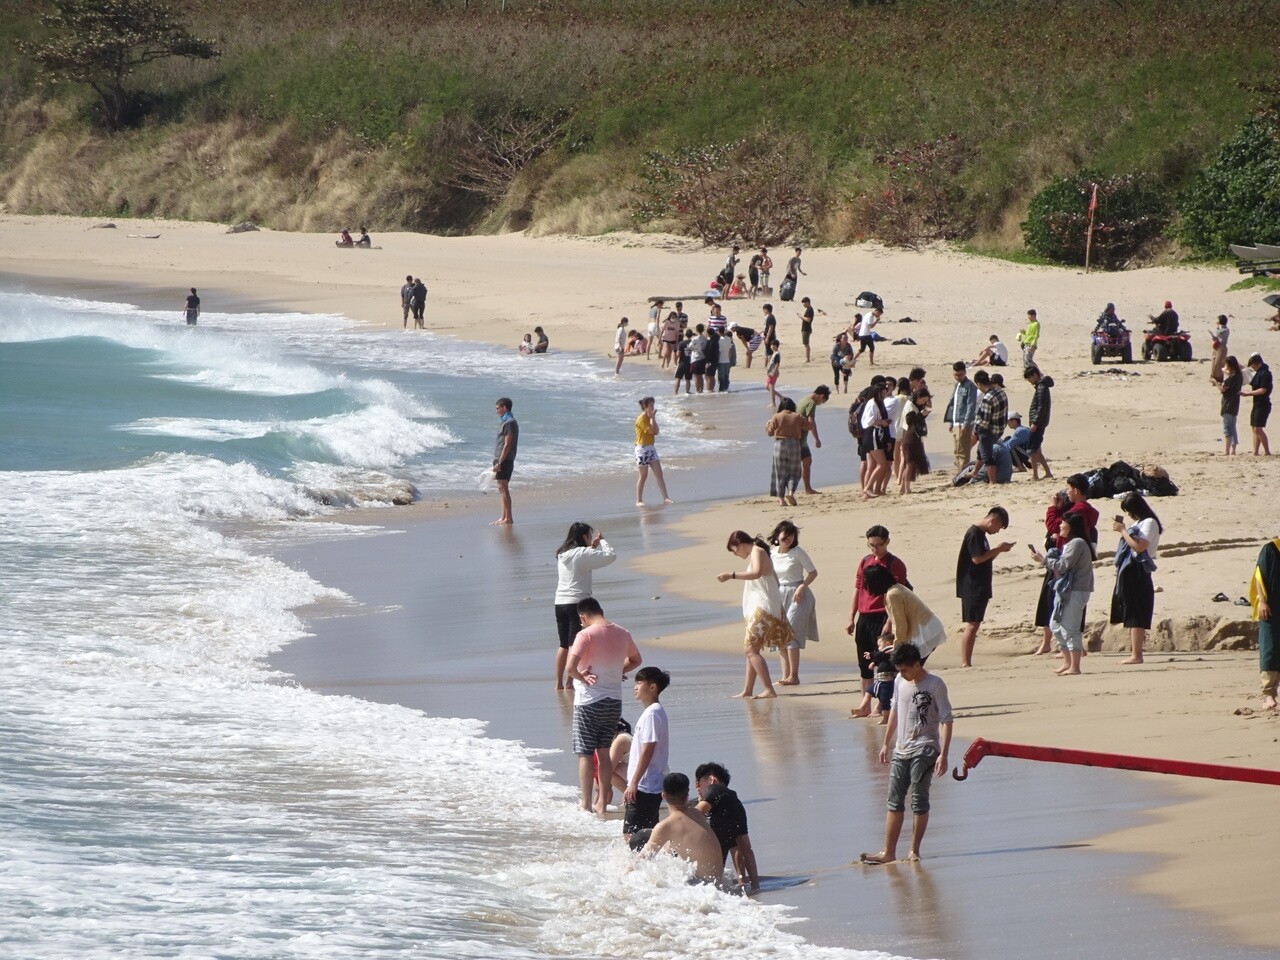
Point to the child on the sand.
(919, 729)
(886, 674)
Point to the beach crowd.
(894, 629)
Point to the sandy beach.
(1195, 698)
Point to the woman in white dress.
(796, 574)
(761, 609)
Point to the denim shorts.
(915, 772)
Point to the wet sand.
(1012, 867)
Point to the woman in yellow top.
(909, 620)
(646, 454)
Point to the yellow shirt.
(644, 437)
(907, 613)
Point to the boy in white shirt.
(650, 749)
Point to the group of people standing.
(595, 655)
(413, 301)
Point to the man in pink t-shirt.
(599, 659)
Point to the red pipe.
(1117, 761)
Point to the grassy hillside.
(324, 111)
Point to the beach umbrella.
(1273, 300)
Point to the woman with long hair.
(1229, 379)
(1134, 600)
(584, 550)
(796, 574)
(911, 439)
(761, 609)
(875, 435)
(1072, 569)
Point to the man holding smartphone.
(974, 568)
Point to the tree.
(100, 43)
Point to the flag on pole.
(1093, 200)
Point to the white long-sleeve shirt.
(575, 566)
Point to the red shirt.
(869, 603)
(1085, 509)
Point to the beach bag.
(966, 475)
(869, 301)
(486, 482)
(1099, 484)
(787, 289)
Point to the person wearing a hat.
(1260, 389)
(1020, 438)
(1166, 321)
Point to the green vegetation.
(1256, 283)
(1130, 212)
(1236, 199)
(450, 117)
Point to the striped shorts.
(594, 725)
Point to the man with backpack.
(808, 408)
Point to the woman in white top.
(761, 609)
(620, 345)
(584, 549)
(796, 573)
(1134, 600)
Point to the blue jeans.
(723, 370)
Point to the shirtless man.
(685, 832)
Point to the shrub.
(1132, 211)
(1236, 199)
(758, 191)
(922, 199)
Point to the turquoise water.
(164, 793)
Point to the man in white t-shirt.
(601, 655)
(650, 749)
(866, 336)
(995, 353)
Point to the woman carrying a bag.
(1134, 599)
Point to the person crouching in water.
(684, 832)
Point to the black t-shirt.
(806, 323)
(193, 302)
(728, 818)
(510, 429)
(1231, 395)
(973, 580)
(1261, 381)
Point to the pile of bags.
(1121, 478)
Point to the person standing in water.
(646, 453)
(192, 309)
(761, 609)
(504, 456)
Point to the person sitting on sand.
(526, 345)
(345, 240)
(685, 832)
(365, 240)
(918, 735)
(739, 287)
(995, 354)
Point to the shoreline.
(833, 525)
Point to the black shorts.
(1259, 414)
(1037, 438)
(805, 452)
(643, 814)
(504, 470)
(567, 623)
(866, 637)
(683, 372)
(973, 609)
(698, 367)
(867, 343)
(997, 362)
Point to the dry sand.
(1191, 700)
